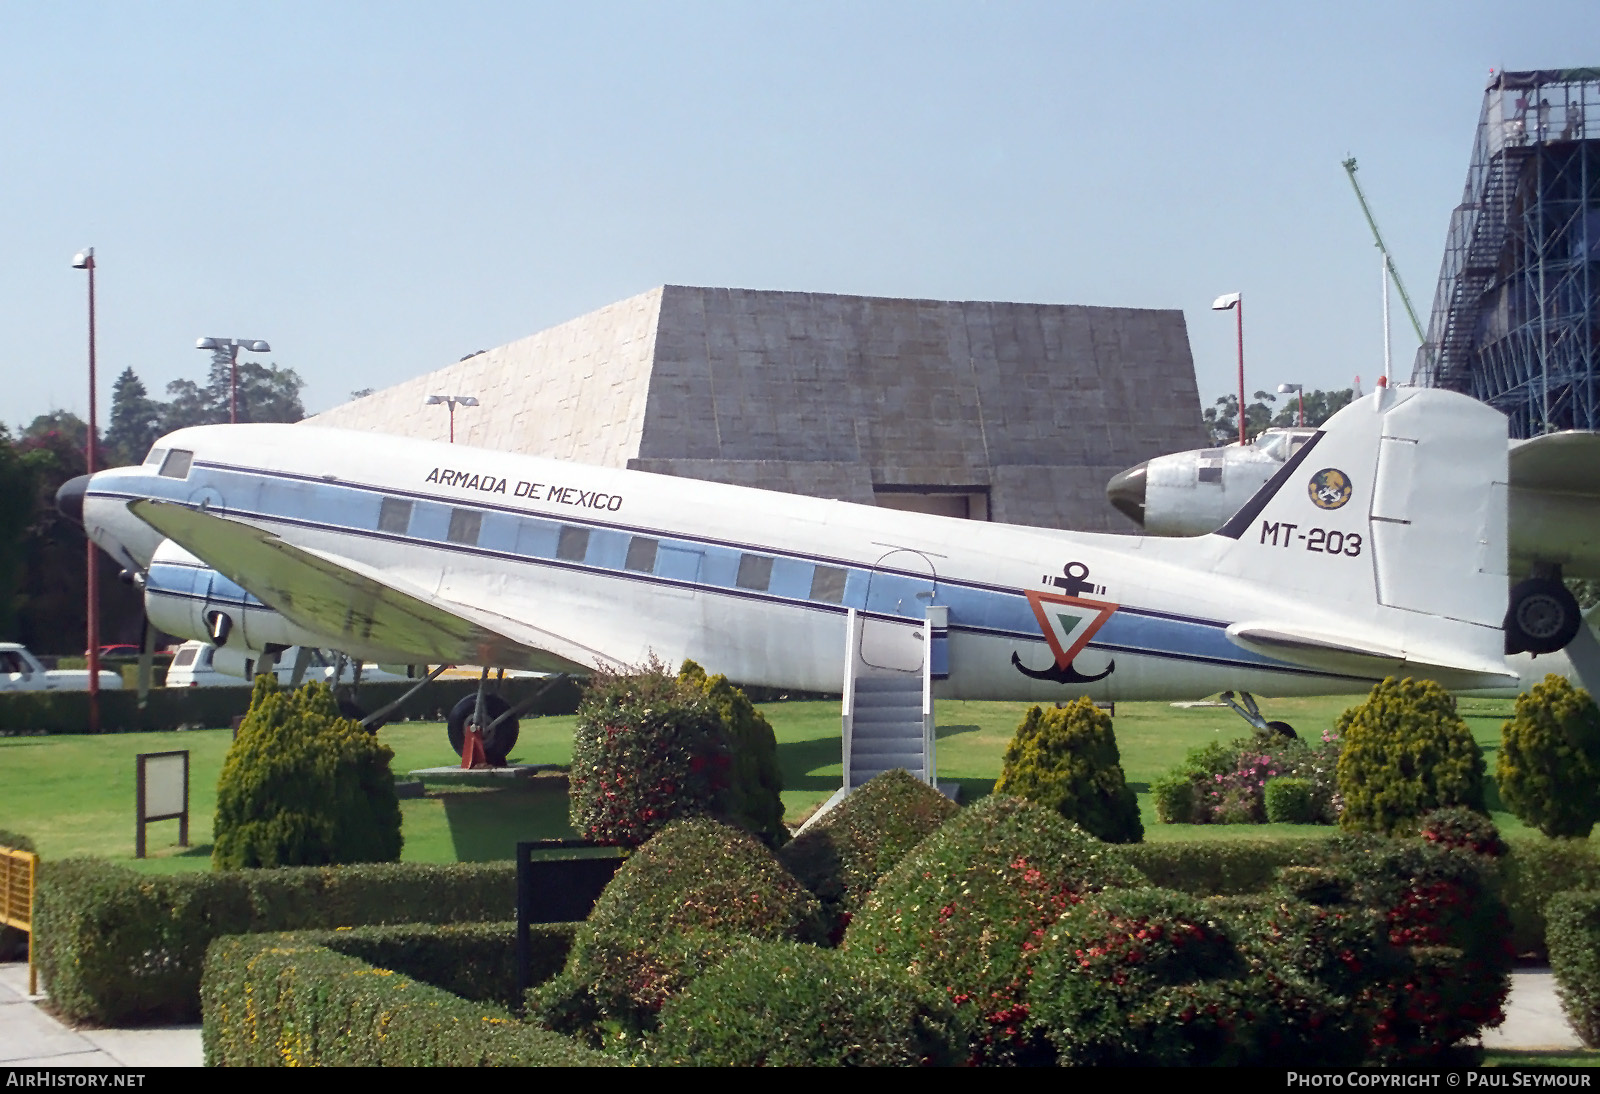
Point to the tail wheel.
(498, 742)
(1283, 729)
(1543, 617)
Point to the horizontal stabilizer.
(1341, 653)
(347, 600)
(1558, 463)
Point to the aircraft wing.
(1558, 463)
(348, 600)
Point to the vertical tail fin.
(1388, 530)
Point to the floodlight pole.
(451, 401)
(1234, 302)
(85, 261)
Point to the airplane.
(1553, 513)
(1377, 549)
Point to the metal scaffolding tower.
(1516, 316)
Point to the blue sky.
(378, 189)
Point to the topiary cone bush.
(755, 784)
(1066, 759)
(1406, 753)
(1548, 766)
(304, 787)
(648, 748)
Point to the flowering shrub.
(648, 748)
(1442, 908)
(967, 909)
(755, 781)
(1463, 830)
(1154, 977)
(1226, 784)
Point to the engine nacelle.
(185, 597)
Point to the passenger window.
(464, 526)
(827, 584)
(574, 544)
(755, 572)
(641, 554)
(176, 465)
(394, 516)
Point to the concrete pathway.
(30, 1036)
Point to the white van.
(201, 665)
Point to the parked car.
(200, 664)
(22, 671)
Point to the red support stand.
(472, 749)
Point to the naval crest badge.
(1330, 488)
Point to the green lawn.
(74, 795)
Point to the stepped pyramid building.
(988, 410)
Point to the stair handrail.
(848, 703)
(929, 768)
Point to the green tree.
(1066, 759)
(267, 393)
(1406, 753)
(1221, 419)
(135, 422)
(304, 787)
(1548, 766)
(19, 489)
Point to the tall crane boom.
(1405, 297)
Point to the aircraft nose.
(69, 499)
(1126, 492)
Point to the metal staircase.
(887, 716)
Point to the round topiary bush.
(842, 855)
(1406, 753)
(966, 909)
(755, 783)
(648, 748)
(782, 1004)
(675, 908)
(304, 787)
(1066, 759)
(1548, 767)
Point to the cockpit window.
(155, 456)
(176, 465)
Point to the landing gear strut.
(1252, 714)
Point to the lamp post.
(232, 346)
(84, 260)
(452, 401)
(1298, 389)
(1234, 302)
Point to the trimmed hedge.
(117, 946)
(1219, 867)
(1533, 872)
(843, 854)
(274, 1000)
(217, 707)
(1574, 934)
(966, 909)
(785, 1004)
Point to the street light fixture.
(1298, 389)
(1234, 302)
(84, 260)
(232, 346)
(452, 401)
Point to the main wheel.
(1283, 729)
(498, 742)
(1543, 617)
